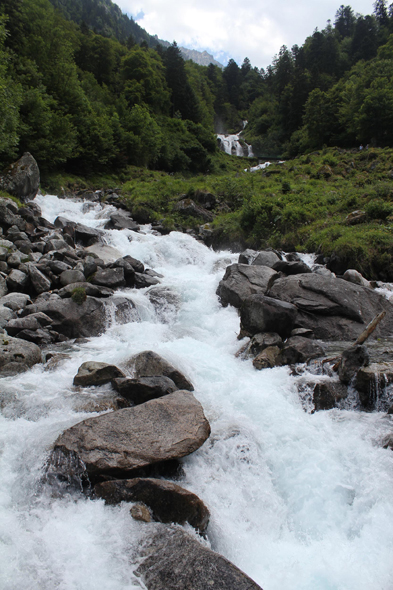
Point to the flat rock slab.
(159, 430)
(167, 501)
(174, 560)
(94, 373)
(151, 364)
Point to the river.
(298, 501)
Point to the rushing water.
(299, 501)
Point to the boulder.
(31, 322)
(242, 280)
(353, 276)
(17, 356)
(121, 221)
(298, 349)
(15, 301)
(259, 342)
(172, 559)
(247, 257)
(22, 179)
(267, 359)
(17, 280)
(294, 267)
(116, 443)
(265, 314)
(166, 302)
(351, 360)
(110, 278)
(138, 391)
(95, 373)
(327, 393)
(87, 235)
(40, 282)
(92, 290)
(371, 381)
(167, 501)
(144, 280)
(69, 276)
(266, 258)
(333, 308)
(151, 364)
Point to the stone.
(17, 280)
(40, 282)
(327, 393)
(356, 217)
(242, 280)
(17, 356)
(305, 332)
(371, 381)
(265, 314)
(206, 199)
(109, 277)
(295, 267)
(119, 442)
(137, 265)
(172, 559)
(298, 349)
(15, 301)
(3, 286)
(247, 257)
(333, 308)
(151, 364)
(166, 302)
(267, 359)
(90, 289)
(353, 276)
(6, 314)
(87, 235)
(144, 280)
(140, 512)
(22, 179)
(9, 217)
(138, 391)
(39, 337)
(67, 277)
(188, 208)
(266, 258)
(121, 221)
(31, 322)
(387, 442)
(351, 360)
(95, 373)
(167, 501)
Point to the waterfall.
(299, 501)
(232, 145)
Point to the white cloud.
(234, 27)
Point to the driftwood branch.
(362, 338)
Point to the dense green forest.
(85, 89)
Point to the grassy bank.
(301, 205)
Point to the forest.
(85, 90)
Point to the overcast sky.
(237, 28)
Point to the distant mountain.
(106, 18)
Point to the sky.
(236, 28)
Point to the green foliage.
(78, 295)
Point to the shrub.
(78, 295)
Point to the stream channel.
(298, 500)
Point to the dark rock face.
(265, 314)
(151, 364)
(16, 356)
(298, 349)
(267, 359)
(110, 277)
(266, 258)
(121, 221)
(351, 361)
(294, 267)
(167, 501)
(327, 394)
(241, 280)
(159, 430)
(22, 179)
(173, 560)
(333, 308)
(94, 373)
(139, 391)
(371, 381)
(188, 208)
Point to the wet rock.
(110, 277)
(326, 395)
(166, 302)
(172, 559)
(144, 280)
(305, 332)
(17, 356)
(351, 360)
(137, 265)
(265, 314)
(22, 179)
(371, 381)
(95, 373)
(151, 364)
(259, 342)
(168, 502)
(267, 359)
(138, 391)
(387, 442)
(140, 512)
(121, 221)
(129, 272)
(266, 258)
(295, 267)
(298, 349)
(241, 280)
(159, 430)
(333, 308)
(87, 235)
(247, 257)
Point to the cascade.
(233, 145)
(298, 500)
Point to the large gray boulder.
(117, 443)
(265, 314)
(333, 308)
(17, 356)
(242, 280)
(151, 364)
(22, 179)
(174, 560)
(266, 258)
(167, 501)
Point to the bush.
(378, 209)
(78, 295)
